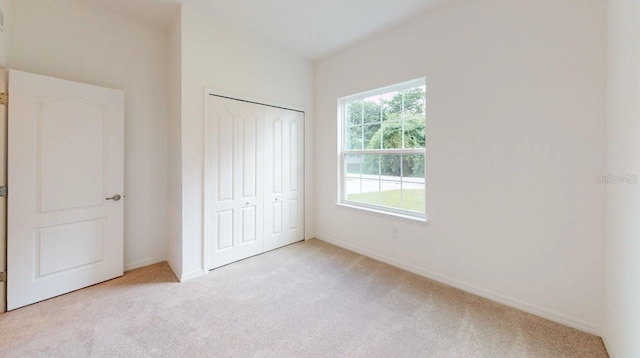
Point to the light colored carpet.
(309, 299)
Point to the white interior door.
(3, 183)
(65, 177)
(284, 180)
(234, 172)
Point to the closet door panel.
(233, 193)
(284, 177)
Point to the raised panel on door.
(58, 246)
(71, 154)
(233, 165)
(276, 139)
(249, 153)
(223, 154)
(294, 213)
(224, 230)
(293, 152)
(295, 192)
(276, 219)
(249, 225)
(65, 159)
(249, 236)
(284, 177)
(274, 176)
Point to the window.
(383, 149)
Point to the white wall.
(217, 57)
(515, 137)
(4, 34)
(71, 40)
(622, 322)
(174, 209)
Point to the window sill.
(415, 219)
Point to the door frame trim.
(206, 205)
(4, 124)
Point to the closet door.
(284, 177)
(234, 189)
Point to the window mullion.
(385, 151)
(402, 178)
(380, 175)
(362, 126)
(403, 118)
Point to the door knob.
(115, 197)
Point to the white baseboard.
(607, 347)
(142, 263)
(511, 302)
(176, 273)
(186, 276)
(191, 275)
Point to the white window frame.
(342, 152)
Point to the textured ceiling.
(311, 28)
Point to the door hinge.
(4, 98)
(3, 191)
(3, 277)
